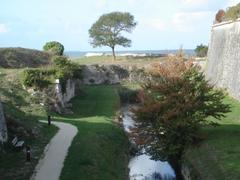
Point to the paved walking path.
(50, 166)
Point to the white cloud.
(190, 21)
(3, 28)
(201, 5)
(155, 23)
(194, 2)
(101, 3)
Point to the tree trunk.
(113, 53)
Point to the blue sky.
(162, 24)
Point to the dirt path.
(50, 166)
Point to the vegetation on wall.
(62, 69)
(65, 70)
(40, 78)
(233, 12)
(175, 105)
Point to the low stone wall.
(112, 74)
(3, 126)
(103, 74)
(95, 75)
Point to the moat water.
(141, 166)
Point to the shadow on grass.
(100, 101)
(95, 101)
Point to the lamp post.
(49, 120)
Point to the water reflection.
(141, 166)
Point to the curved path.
(50, 166)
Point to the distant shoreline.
(141, 53)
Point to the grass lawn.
(23, 111)
(218, 157)
(128, 61)
(100, 149)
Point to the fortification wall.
(223, 65)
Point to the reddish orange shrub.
(220, 15)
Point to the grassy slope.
(24, 111)
(21, 58)
(218, 156)
(99, 151)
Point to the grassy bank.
(13, 164)
(22, 58)
(99, 151)
(218, 157)
(22, 113)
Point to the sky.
(161, 24)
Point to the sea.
(79, 54)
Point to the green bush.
(63, 66)
(63, 69)
(66, 69)
(201, 50)
(39, 78)
(54, 47)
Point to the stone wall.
(103, 74)
(3, 126)
(91, 75)
(95, 75)
(223, 65)
(65, 96)
(112, 74)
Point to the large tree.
(106, 31)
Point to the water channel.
(141, 166)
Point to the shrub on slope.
(20, 57)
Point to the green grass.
(100, 149)
(128, 61)
(13, 164)
(218, 156)
(22, 112)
